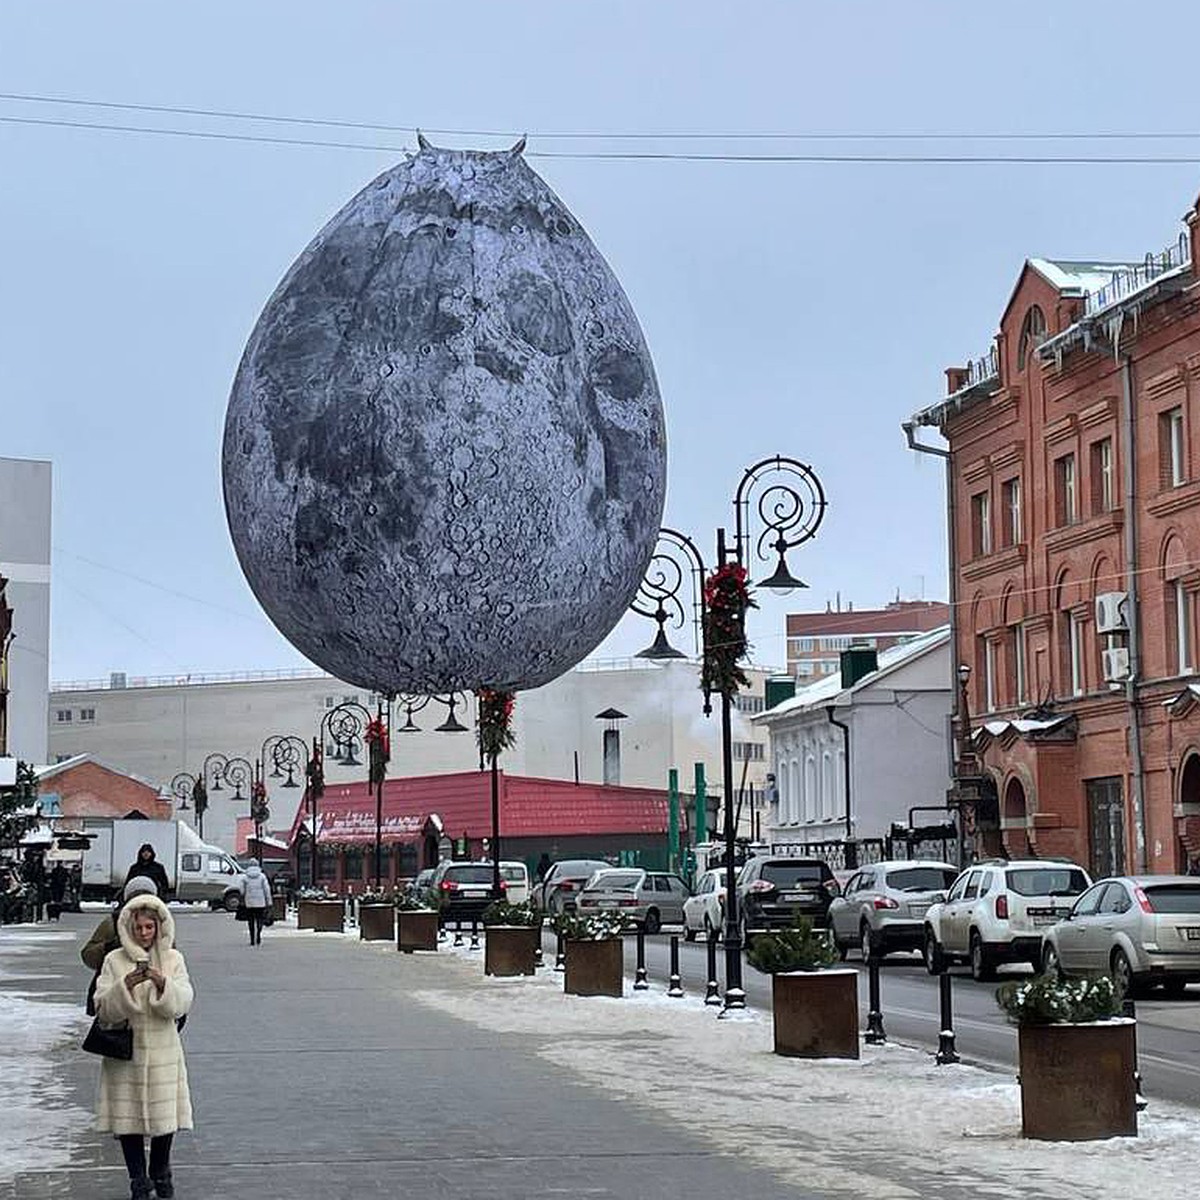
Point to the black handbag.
(109, 1041)
(242, 914)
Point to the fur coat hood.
(166, 930)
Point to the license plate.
(1192, 933)
(472, 893)
(607, 904)
(918, 910)
(1044, 918)
(795, 896)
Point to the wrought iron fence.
(1127, 280)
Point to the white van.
(208, 873)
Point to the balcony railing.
(980, 369)
(1127, 280)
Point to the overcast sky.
(803, 309)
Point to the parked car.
(562, 883)
(773, 891)
(704, 909)
(647, 899)
(465, 888)
(882, 907)
(422, 883)
(998, 911)
(1142, 929)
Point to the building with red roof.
(425, 818)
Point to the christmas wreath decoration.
(379, 749)
(495, 731)
(726, 601)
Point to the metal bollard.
(538, 963)
(946, 1053)
(1129, 1009)
(474, 935)
(675, 985)
(458, 937)
(712, 989)
(876, 1035)
(560, 954)
(639, 975)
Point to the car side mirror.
(938, 898)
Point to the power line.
(647, 155)
(601, 135)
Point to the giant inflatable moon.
(444, 458)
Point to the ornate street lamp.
(288, 757)
(345, 727)
(786, 498)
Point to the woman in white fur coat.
(145, 982)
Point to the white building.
(896, 708)
(157, 728)
(25, 563)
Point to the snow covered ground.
(38, 1123)
(892, 1126)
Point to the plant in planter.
(319, 909)
(416, 922)
(814, 1009)
(1077, 1056)
(594, 953)
(513, 933)
(376, 916)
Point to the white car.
(998, 911)
(704, 909)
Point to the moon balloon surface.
(444, 456)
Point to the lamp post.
(786, 498)
(349, 727)
(287, 756)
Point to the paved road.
(313, 1080)
(1168, 1030)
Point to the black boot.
(140, 1189)
(163, 1186)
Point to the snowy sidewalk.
(323, 1067)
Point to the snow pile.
(893, 1125)
(39, 1122)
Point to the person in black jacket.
(147, 864)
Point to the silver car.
(882, 908)
(560, 886)
(648, 899)
(1143, 930)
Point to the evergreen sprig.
(1050, 1001)
(797, 948)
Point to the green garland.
(495, 732)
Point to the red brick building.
(1075, 560)
(85, 787)
(815, 640)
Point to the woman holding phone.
(145, 982)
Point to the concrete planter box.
(1077, 1081)
(416, 929)
(510, 949)
(816, 1014)
(323, 916)
(594, 968)
(278, 908)
(376, 922)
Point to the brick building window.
(1102, 476)
(1172, 462)
(1073, 630)
(1033, 334)
(1019, 679)
(1181, 626)
(1010, 514)
(981, 524)
(1066, 510)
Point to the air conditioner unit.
(1111, 612)
(1116, 665)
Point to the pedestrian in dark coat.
(58, 883)
(147, 864)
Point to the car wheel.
(233, 902)
(1121, 972)
(1051, 967)
(653, 922)
(935, 960)
(689, 934)
(867, 944)
(710, 934)
(982, 969)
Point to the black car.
(772, 892)
(464, 890)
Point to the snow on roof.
(829, 690)
(1078, 278)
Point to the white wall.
(157, 731)
(25, 496)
